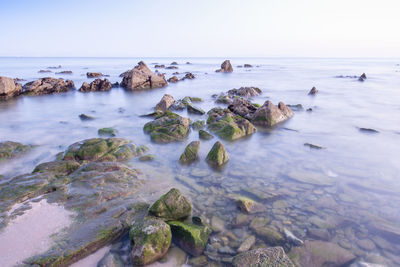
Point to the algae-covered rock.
(228, 125)
(270, 235)
(191, 153)
(217, 155)
(248, 205)
(194, 110)
(149, 157)
(9, 149)
(197, 125)
(171, 206)
(168, 127)
(205, 135)
(109, 132)
(151, 239)
(85, 117)
(58, 167)
(265, 257)
(191, 238)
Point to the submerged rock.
(314, 178)
(10, 149)
(217, 155)
(313, 91)
(168, 127)
(291, 238)
(269, 114)
(109, 132)
(247, 244)
(173, 79)
(96, 85)
(48, 86)
(111, 260)
(191, 153)
(9, 88)
(141, 77)
(172, 206)
(191, 238)
(225, 67)
(165, 103)
(149, 157)
(151, 239)
(94, 74)
(248, 205)
(85, 117)
(272, 256)
(205, 135)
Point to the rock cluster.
(48, 86)
(141, 77)
(96, 85)
(9, 88)
(246, 92)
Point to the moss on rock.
(191, 153)
(9, 149)
(205, 135)
(109, 132)
(171, 206)
(217, 155)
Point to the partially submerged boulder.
(94, 74)
(243, 107)
(48, 86)
(362, 78)
(151, 239)
(9, 88)
(205, 135)
(272, 256)
(165, 103)
(313, 91)
(109, 132)
(270, 115)
(173, 79)
(171, 206)
(245, 91)
(217, 155)
(141, 77)
(189, 76)
(225, 67)
(10, 149)
(96, 85)
(191, 153)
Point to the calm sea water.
(364, 168)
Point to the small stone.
(217, 225)
(247, 244)
(270, 235)
(85, 117)
(248, 205)
(268, 257)
(191, 153)
(198, 261)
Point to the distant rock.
(346, 76)
(159, 66)
(245, 91)
(173, 79)
(217, 155)
(94, 74)
(141, 77)
(368, 130)
(297, 107)
(85, 117)
(247, 66)
(272, 256)
(188, 63)
(225, 67)
(44, 71)
(65, 72)
(55, 67)
(165, 103)
(174, 63)
(97, 85)
(9, 88)
(48, 86)
(189, 76)
(362, 78)
(313, 91)
(313, 146)
(171, 67)
(269, 114)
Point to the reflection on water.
(349, 190)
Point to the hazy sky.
(223, 28)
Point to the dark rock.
(297, 107)
(141, 77)
(171, 67)
(313, 146)
(242, 107)
(245, 91)
(9, 88)
(115, 85)
(225, 67)
(94, 74)
(362, 78)
(64, 72)
(44, 71)
(55, 67)
(247, 66)
(85, 117)
(174, 63)
(197, 125)
(165, 103)
(149, 157)
(313, 91)
(97, 85)
(189, 76)
(268, 257)
(191, 153)
(109, 132)
(194, 110)
(217, 155)
(159, 66)
(368, 130)
(172, 206)
(173, 79)
(48, 86)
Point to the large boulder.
(141, 77)
(217, 155)
(190, 153)
(172, 206)
(165, 103)
(228, 125)
(225, 67)
(9, 88)
(168, 127)
(96, 85)
(192, 238)
(151, 239)
(10, 149)
(242, 107)
(48, 85)
(270, 115)
(272, 256)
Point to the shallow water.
(363, 168)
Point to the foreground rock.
(96, 85)
(172, 206)
(272, 256)
(151, 239)
(141, 77)
(270, 115)
(9, 149)
(48, 86)
(168, 127)
(225, 67)
(165, 103)
(217, 155)
(191, 238)
(9, 88)
(94, 74)
(190, 154)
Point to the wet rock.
(157, 66)
(291, 238)
(320, 253)
(10, 149)
(85, 117)
(173, 79)
(94, 74)
(241, 220)
(242, 107)
(48, 86)
(247, 66)
(172, 206)
(198, 261)
(228, 125)
(194, 110)
(313, 146)
(44, 71)
(96, 85)
(197, 125)
(269, 114)
(109, 132)
(174, 63)
(149, 157)
(272, 256)
(297, 107)
(270, 235)
(168, 127)
(368, 130)
(189, 76)
(217, 155)
(245, 92)
(55, 67)
(65, 72)
(226, 250)
(111, 260)
(217, 224)
(319, 234)
(247, 244)
(191, 153)
(151, 239)
(141, 77)
(248, 205)
(57, 167)
(225, 67)
(362, 78)
(190, 237)
(259, 222)
(165, 103)
(205, 135)
(313, 91)
(366, 244)
(171, 68)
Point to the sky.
(200, 28)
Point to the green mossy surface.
(172, 206)
(217, 155)
(191, 153)
(109, 132)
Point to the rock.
(165, 103)
(171, 206)
(149, 157)
(205, 135)
(48, 86)
(109, 132)
(366, 244)
(368, 130)
(313, 146)
(197, 125)
(247, 66)
(241, 220)
(217, 155)
(270, 115)
(313, 91)
(115, 85)
(10, 149)
(320, 234)
(272, 256)
(247, 244)
(141, 77)
(94, 74)
(198, 261)
(85, 117)
(57, 167)
(171, 68)
(270, 235)
(174, 63)
(320, 253)
(259, 222)
(173, 79)
(159, 66)
(96, 85)
(189, 76)
(44, 71)
(226, 250)
(191, 153)
(194, 110)
(65, 72)
(297, 107)
(217, 224)
(245, 92)
(249, 206)
(291, 238)
(111, 260)
(243, 108)
(225, 67)
(227, 125)
(9, 88)
(55, 67)
(191, 238)
(151, 239)
(168, 127)
(362, 77)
